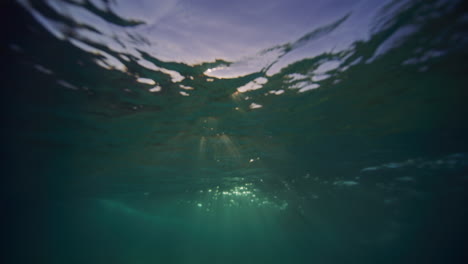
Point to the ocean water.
(205, 131)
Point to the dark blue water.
(247, 132)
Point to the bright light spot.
(296, 77)
(175, 76)
(309, 87)
(276, 92)
(207, 72)
(238, 197)
(255, 106)
(184, 93)
(186, 87)
(123, 57)
(253, 85)
(155, 89)
(146, 81)
(317, 78)
(261, 80)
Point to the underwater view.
(249, 131)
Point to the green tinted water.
(355, 155)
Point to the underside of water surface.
(248, 132)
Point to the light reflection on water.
(242, 196)
(129, 41)
(118, 42)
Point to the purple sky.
(195, 31)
